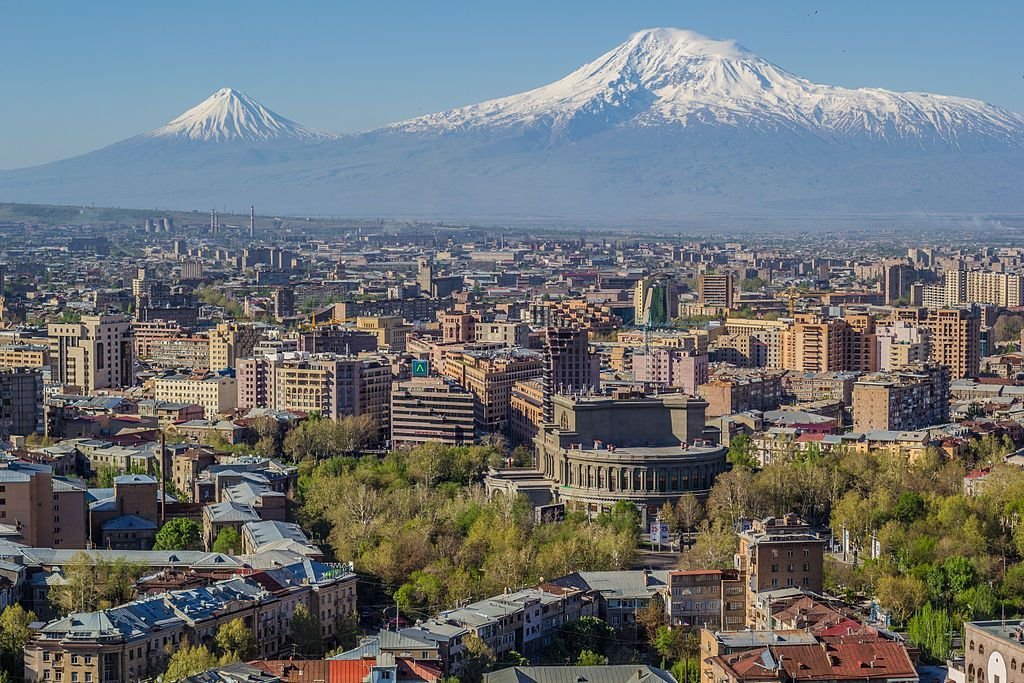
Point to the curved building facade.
(645, 449)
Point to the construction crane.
(792, 294)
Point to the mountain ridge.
(665, 124)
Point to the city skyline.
(358, 69)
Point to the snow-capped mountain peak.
(666, 77)
(230, 115)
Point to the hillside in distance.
(668, 126)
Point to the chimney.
(252, 222)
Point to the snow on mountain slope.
(668, 126)
(229, 115)
(678, 78)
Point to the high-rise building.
(95, 353)
(230, 342)
(954, 337)
(912, 398)
(897, 276)
(818, 344)
(655, 302)
(569, 367)
(21, 401)
(431, 409)
(284, 302)
(716, 290)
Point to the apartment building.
(526, 412)
(390, 330)
(431, 409)
(230, 342)
(663, 367)
(818, 344)
(95, 353)
(777, 553)
(489, 376)
(739, 390)
(705, 598)
(954, 337)
(569, 366)
(715, 290)
(912, 398)
(332, 385)
(40, 510)
(21, 401)
(902, 343)
(132, 642)
(217, 394)
(24, 356)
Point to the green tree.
(306, 633)
(179, 533)
(187, 661)
(931, 629)
(15, 632)
(591, 658)
(624, 516)
(714, 548)
(478, 659)
(588, 633)
(236, 641)
(228, 542)
(77, 590)
(902, 596)
(741, 452)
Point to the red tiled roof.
(825, 662)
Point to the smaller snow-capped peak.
(230, 115)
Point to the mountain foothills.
(669, 124)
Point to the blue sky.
(75, 76)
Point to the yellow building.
(390, 330)
(231, 341)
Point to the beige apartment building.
(954, 337)
(332, 385)
(489, 375)
(818, 344)
(230, 342)
(390, 330)
(24, 355)
(95, 353)
(217, 394)
(913, 398)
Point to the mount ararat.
(668, 127)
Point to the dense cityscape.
(533, 342)
(248, 448)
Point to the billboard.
(420, 368)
